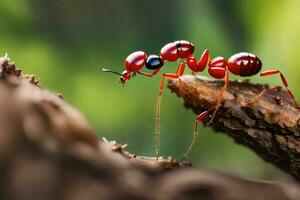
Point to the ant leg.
(283, 80)
(196, 134)
(158, 103)
(181, 69)
(195, 138)
(196, 131)
(149, 75)
(178, 68)
(262, 93)
(220, 98)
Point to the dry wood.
(270, 126)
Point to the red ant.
(242, 64)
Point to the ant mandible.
(242, 64)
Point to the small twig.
(159, 163)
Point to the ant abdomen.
(244, 64)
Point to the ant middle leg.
(221, 95)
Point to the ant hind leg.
(257, 97)
(199, 118)
(283, 80)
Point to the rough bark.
(49, 151)
(270, 126)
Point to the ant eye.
(122, 80)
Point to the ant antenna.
(108, 70)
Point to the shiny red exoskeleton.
(242, 64)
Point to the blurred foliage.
(65, 43)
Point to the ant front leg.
(149, 75)
(179, 72)
(283, 80)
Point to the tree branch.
(270, 127)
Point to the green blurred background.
(65, 43)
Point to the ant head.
(123, 77)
